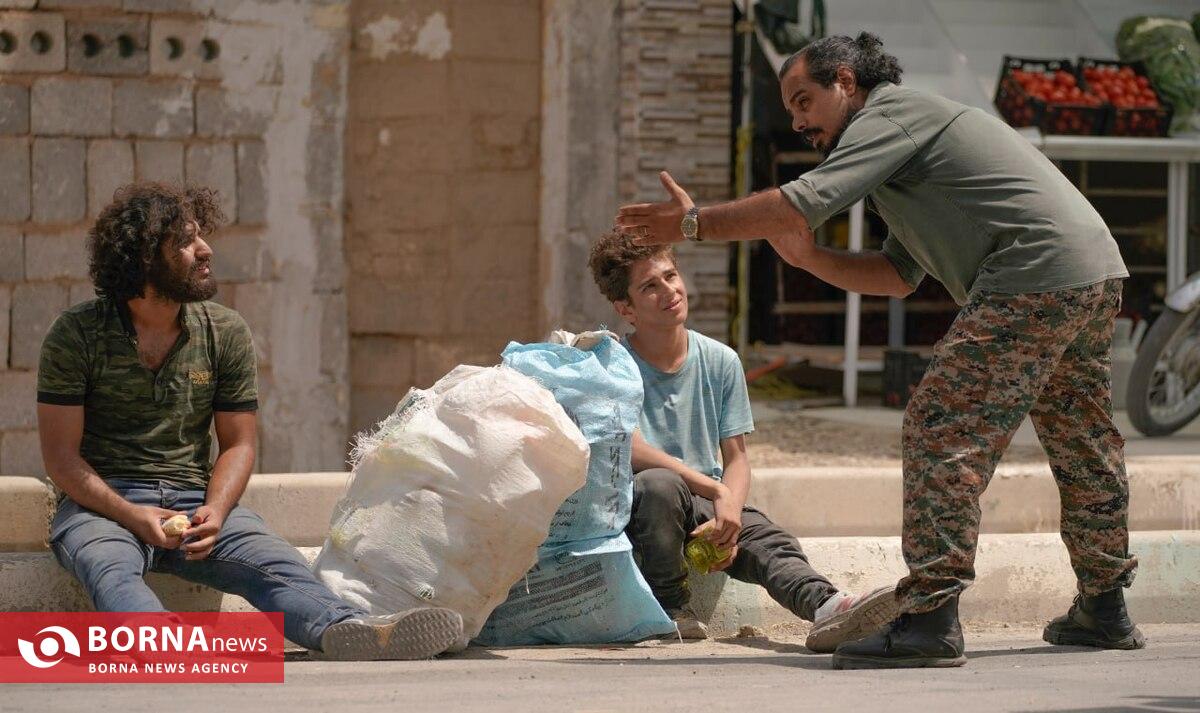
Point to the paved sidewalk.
(1186, 441)
(1009, 670)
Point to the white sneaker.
(687, 624)
(407, 635)
(852, 618)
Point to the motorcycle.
(1163, 393)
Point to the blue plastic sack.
(598, 597)
(601, 391)
(585, 587)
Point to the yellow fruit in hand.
(176, 525)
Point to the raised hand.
(656, 223)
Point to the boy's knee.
(659, 485)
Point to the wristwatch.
(690, 225)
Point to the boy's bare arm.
(646, 456)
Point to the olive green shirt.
(138, 423)
(965, 197)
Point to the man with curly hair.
(1039, 277)
(689, 454)
(129, 385)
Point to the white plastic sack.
(452, 495)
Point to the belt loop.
(167, 496)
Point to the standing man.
(693, 473)
(128, 387)
(970, 202)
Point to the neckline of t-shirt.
(687, 360)
(187, 314)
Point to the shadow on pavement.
(1025, 650)
(1037, 649)
(813, 662)
(473, 653)
(764, 644)
(1164, 704)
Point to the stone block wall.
(244, 96)
(442, 189)
(473, 197)
(412, 183)
(632, 87)
(675, 115)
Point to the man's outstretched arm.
(767, 215)
(770, 215)
(867, 273)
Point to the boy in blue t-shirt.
(693, 473)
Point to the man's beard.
(837, 137)
(179, 284)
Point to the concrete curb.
(856, 501)
(808, 502)
(26, 506)
(297, 505)
(1021, 578)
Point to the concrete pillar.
(580, 124)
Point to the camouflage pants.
(1005, 356)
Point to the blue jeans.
(248, 560)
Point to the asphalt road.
(1009, 670)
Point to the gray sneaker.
(406, 635)
(687, 624)
(854, 619)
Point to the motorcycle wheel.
(1164, 383)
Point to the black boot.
(930, 639)
(1100, 621)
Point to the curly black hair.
(864, 55)
(612, 256)
(128, 235)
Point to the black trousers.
(665, 511)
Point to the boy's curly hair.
(611, 258)
(128, 235)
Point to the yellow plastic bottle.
(702, 555)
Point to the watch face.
(688, 226)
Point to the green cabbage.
(1169, 49)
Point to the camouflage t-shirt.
(138, 423)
